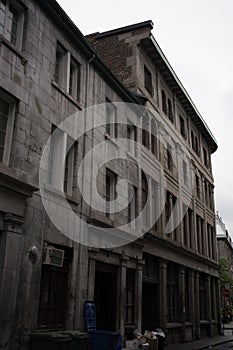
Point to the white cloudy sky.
(197, 38)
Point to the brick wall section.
(116, 49)
(114, 55)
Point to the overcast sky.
(197, 39)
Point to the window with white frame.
(110, 192)
(7, 115)
(67, 72)
(111, 119)
(62, 153)
(11, 22)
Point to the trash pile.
(151, 340)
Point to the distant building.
(225, 244)
(49, 71)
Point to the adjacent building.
(49, 71)
(184, 277)
(225, 249)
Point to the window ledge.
(7, 43)
(132, 156)
(112, 140)
(64, 93)
(174, 325)
(59, 193)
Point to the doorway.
(150, 306)
(106, 296)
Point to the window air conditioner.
(53, 256)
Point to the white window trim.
(63, 80)
(57, 156)
(10, 127)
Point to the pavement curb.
(213, 345)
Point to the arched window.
(170, 113)
(154, 146)
(164, 102)
(145, 131)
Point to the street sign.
(226, 293)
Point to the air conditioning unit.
(53, 256)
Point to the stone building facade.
(184, 277)
(48, 71)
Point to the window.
(154, 138)
(74, 79)
(197, 149)
(192, 140)
(187, 298)
(110, 192)
(67, 72)
(61, 55)
(195, 143)
(133, 205)
(183, 128)
(155, 203)
(11, 22)
(7, 114)
(145, 131)
(169, 157)
(148, 81)
(130, 296)
(144, 197)
(203, 297)
(132, 135)
(185, 173)
(70, 163)
(205, 158)
(170, 113)
(164, 102)
(198, 187)
(111, 119)
(61, 149)
(172, 293)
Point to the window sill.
(174, 325)
(8, 44)
(111, 139)
(59, 193)
(204, 322)
(64, 93)
(132, 156)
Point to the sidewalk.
(204, 343)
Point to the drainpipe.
(78, 312)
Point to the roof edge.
(130, 27)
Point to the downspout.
(78, 312)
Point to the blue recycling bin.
(99, 339)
